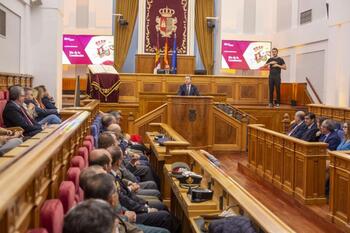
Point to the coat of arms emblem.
(166, 23)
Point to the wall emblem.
(166, 23)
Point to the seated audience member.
(102, 158)
(329, 135)
(106, 139)
(319, 122)
(42, 116)
(310, 133)
(15, 115)
(298, 127)
(117, 156)
(89, 172)
(345, 143)
(117, 115)
(46, 99)
(101, 186)
(188, 89)
(107, 120)
(146, 213)
(93, 216)
(9, 140)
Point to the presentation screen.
(88, 49)
(244, 55)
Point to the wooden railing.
(36, 175)
(290, 164)
(230, 128)
(158, 115)
(339, 201)
(90, 105)
(10, 79)
(340, 114)
(227, 192)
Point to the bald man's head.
(89, 172)
(102, 158)
(115, 128)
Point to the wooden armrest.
(15, 129)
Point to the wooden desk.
(160, 155)
(227, 192)
(292, 165)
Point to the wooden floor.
(302, 218)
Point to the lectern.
(191, 117)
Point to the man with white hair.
(298, 127)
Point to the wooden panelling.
(152, 100)
(144, 63)
(333, 112)
(10, 79)
(239, 90)
(272, 118)
(292, 165)
(339, 201)
(295, 91)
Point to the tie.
(29, 121)
(188, 90)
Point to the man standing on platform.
(188, 89)
(275, 63)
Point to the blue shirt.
(344, 145)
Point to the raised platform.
(302, 218)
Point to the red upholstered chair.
(66, 193)
(73, 174)
(3, 101)
(91, 139)
(51, 216)
(83, 152)
(78, 161)
(88, 145)
(37, 230)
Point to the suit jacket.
(298, 130)
(183, 89)
(333, 140)
(14, 117)
(128, 199)
(310, 134)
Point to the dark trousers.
(159, 219)
(275, 82)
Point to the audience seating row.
(69, 192)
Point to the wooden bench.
(290, 164)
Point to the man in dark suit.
(15, 115)
(188, 89)
(329, 135)
(310, 133)
(299, 127)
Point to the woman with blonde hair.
(345, 143)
